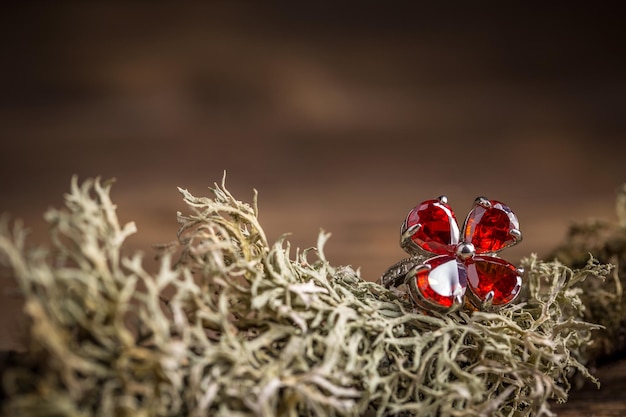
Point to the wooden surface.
(608, 401)
(342, 118)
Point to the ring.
(448, 267)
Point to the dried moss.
(604, 299)
(238, 327)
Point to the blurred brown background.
(343, 117)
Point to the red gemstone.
(439, 231)
(443, 282)
(486, 274)
(489, 229)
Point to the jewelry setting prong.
(406, 242)
(517, 235)
(418, 268)
(410, 231)
(483, 202)
(443, 199)
(487, 302)
(458, 301)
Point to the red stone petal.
(438, 232)
(489, 229)
(442, 283)
(486, 273)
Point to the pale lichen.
(604, 299)
(236, 326)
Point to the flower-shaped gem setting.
(464, 261)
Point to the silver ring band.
(396, 274)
